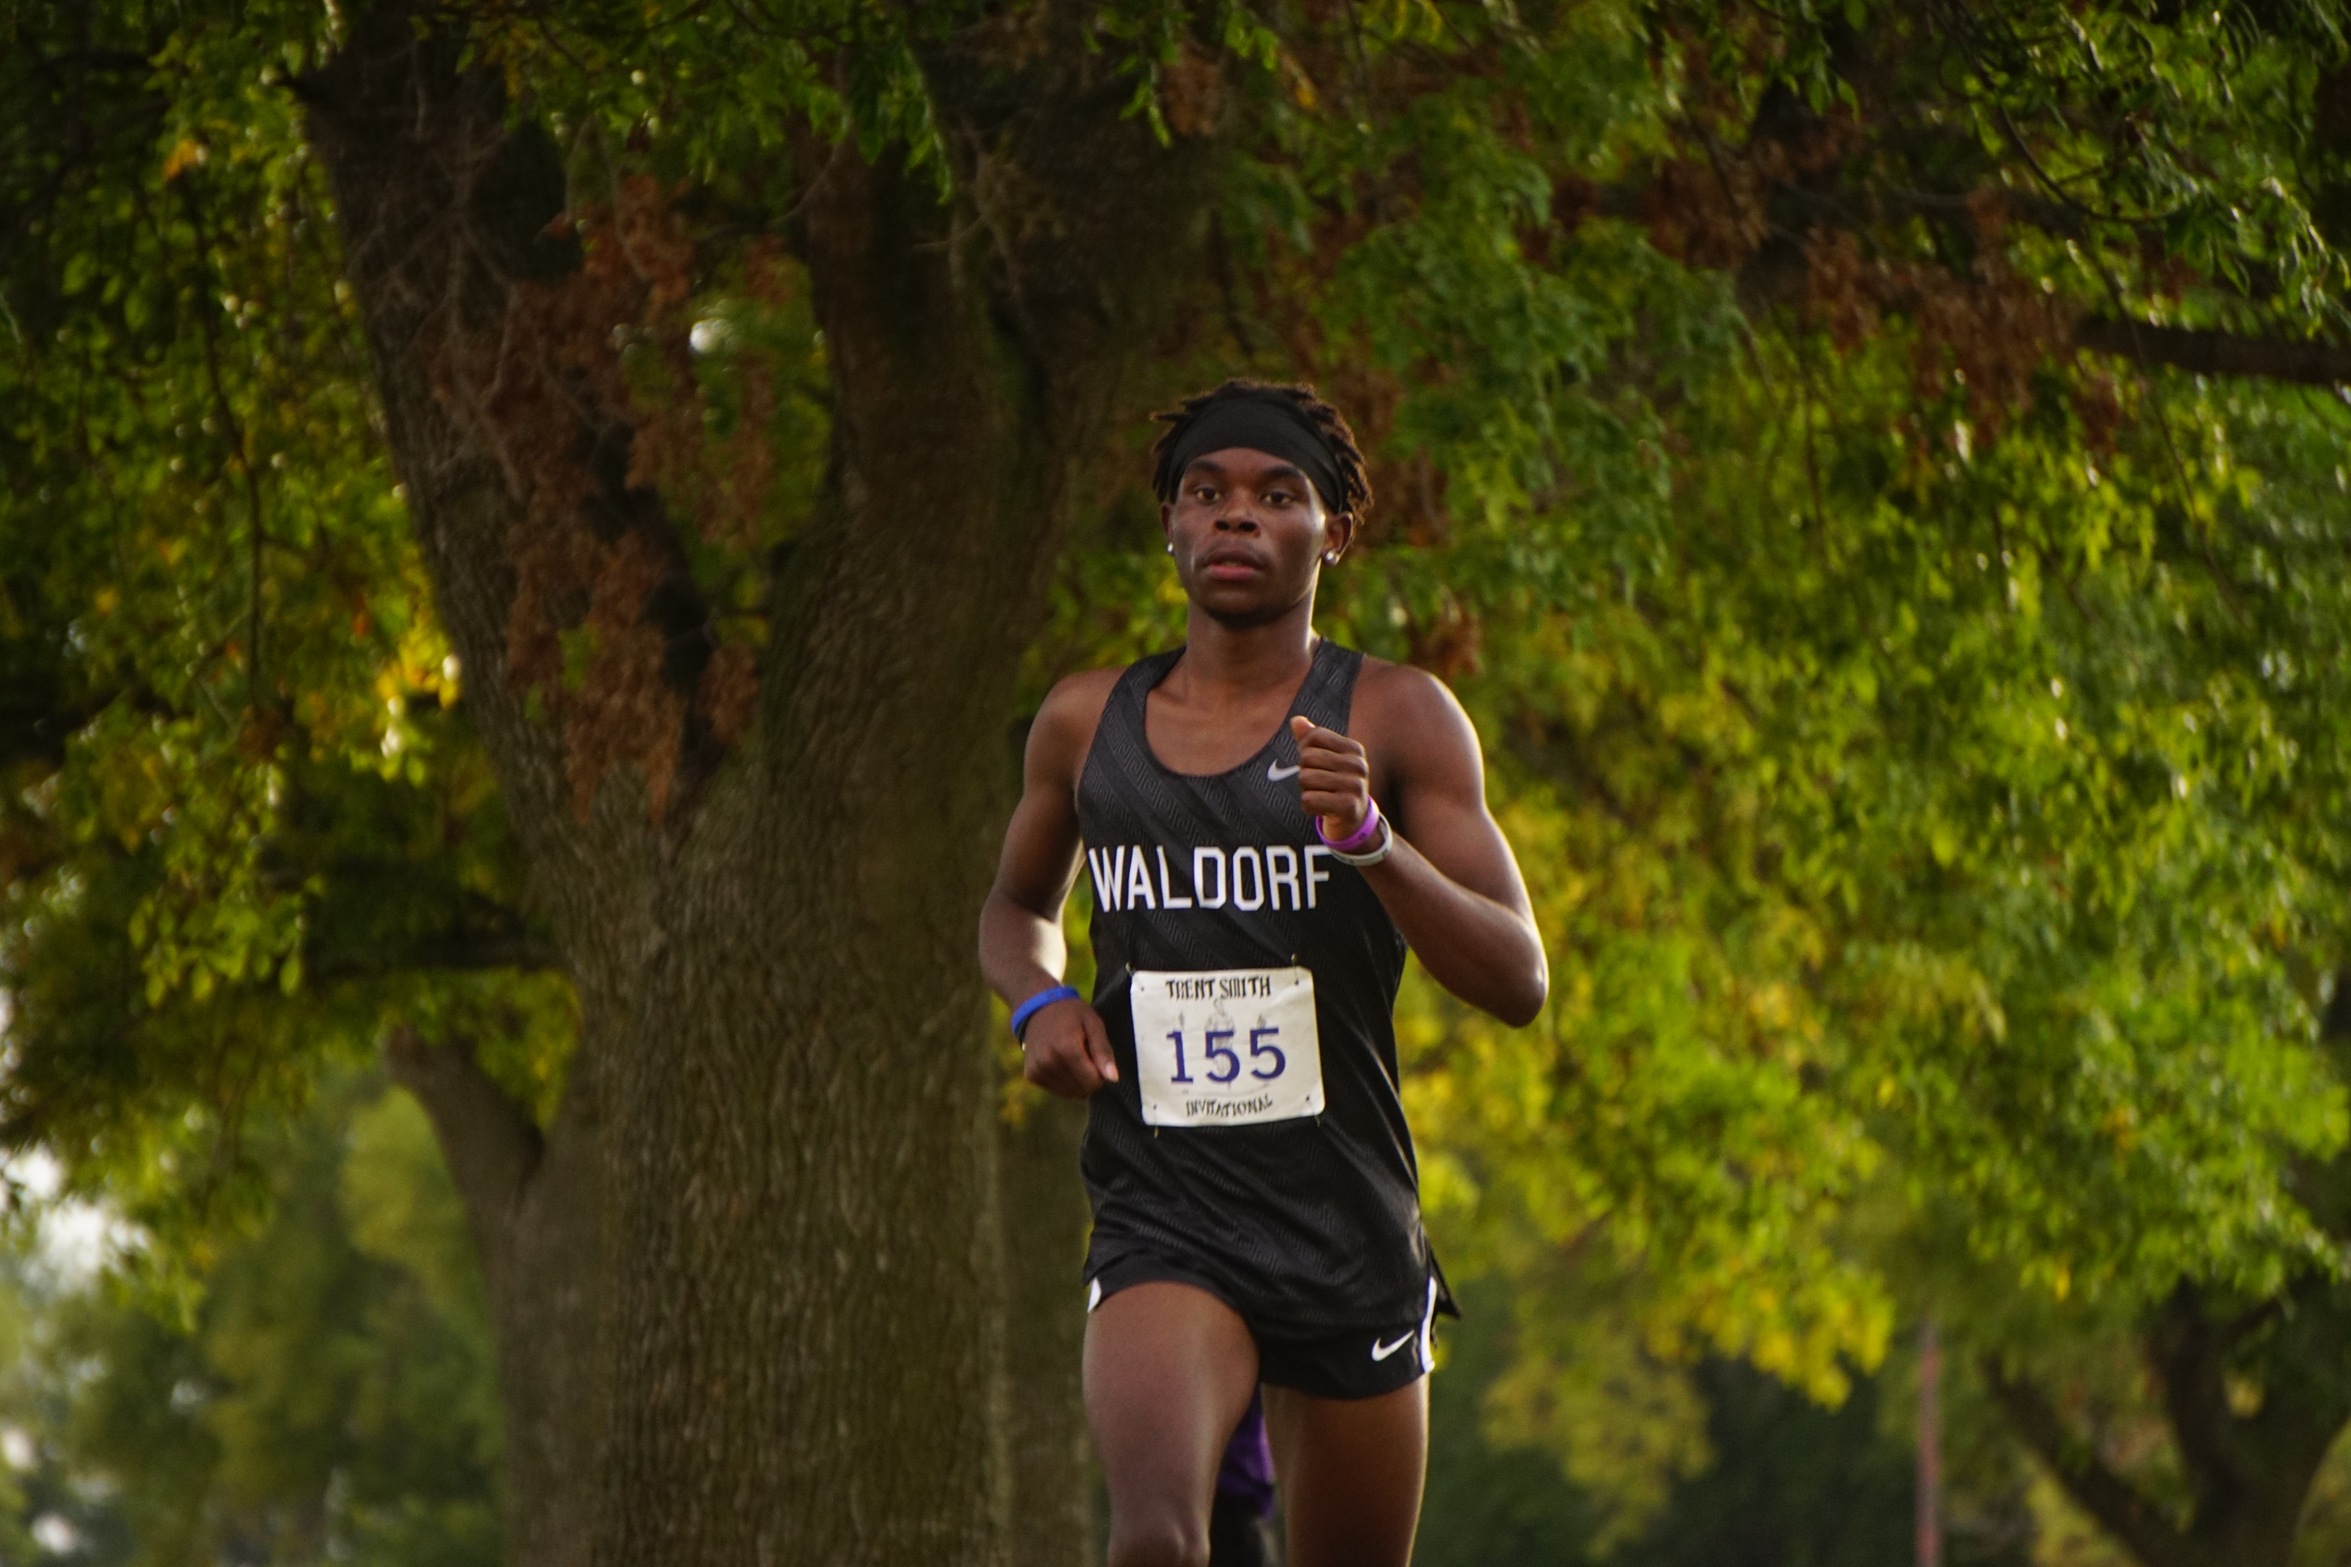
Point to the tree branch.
(2121, 1507)
(490, 1140)
(432, 209)
(1773, 274)
(453, 954)
(2204, 352)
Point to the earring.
(1171, 546)
(1330, 557)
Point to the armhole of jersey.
(1077, 785)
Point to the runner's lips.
(1231, 565)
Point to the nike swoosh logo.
(1381, 1351)
(1277, 772)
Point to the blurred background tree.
(1875, 476)
(328, 1395)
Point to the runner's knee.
(1162, 1540)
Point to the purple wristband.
(1358, 840)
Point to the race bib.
(1227, 1047)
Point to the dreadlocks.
(1326, 424)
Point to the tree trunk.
(791, 1121)
(2249, 1469)
(1045, 1219)
(533, 1202)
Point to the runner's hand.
(1067, 1051)
(1334, 777)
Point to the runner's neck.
(1232, 666)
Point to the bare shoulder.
(1411, 710)
(1076, 701)
(1064, 728)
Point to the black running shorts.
(1349, 1363)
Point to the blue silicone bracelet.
(1038, 1003)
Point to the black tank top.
(1312, 1224)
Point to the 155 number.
(1226, 1061)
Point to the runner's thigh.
(1350, 1471)
(1169, 1372)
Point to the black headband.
(1263, 422)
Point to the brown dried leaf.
(1192, 92)
(729, 692)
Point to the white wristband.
(1376, 853)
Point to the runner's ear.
(1338, 532)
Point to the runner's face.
(1249, 533)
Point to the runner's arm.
(1452, 885)
(1022, 950)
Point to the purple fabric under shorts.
(1246, 1475)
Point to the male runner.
(1269, 820)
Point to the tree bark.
(787, 1124)
(1045, 1220)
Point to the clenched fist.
(1334, 778)
(1065, 1050)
